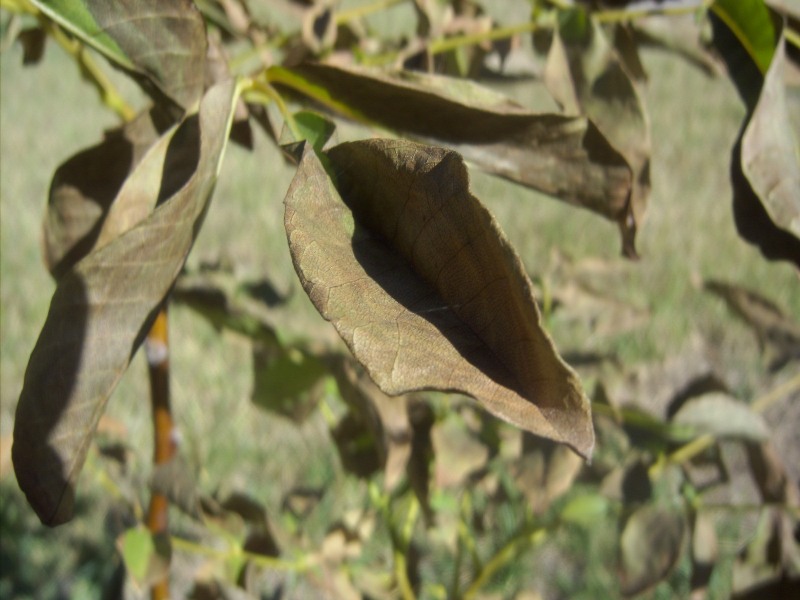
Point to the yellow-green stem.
(401, 575)
(107, 90)
(267, 562)
(505, 555)
(792, 37)
(625, 15)
(764, 402)
(263, 92)
(688, 451)
(362, 11)
(501, 33)
(285, 77)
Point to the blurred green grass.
(46, 114)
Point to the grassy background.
(46, 115)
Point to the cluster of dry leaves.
(419, 281)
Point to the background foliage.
(505, 513)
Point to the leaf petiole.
(109, 94)
(262, 92)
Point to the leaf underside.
(424, 288)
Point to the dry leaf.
(423, 287)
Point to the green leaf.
(751, 23)
(162, 41)
(585, 510)
(567, 157)
(306, 125)
(315, 128)
(146, 555)
(77, 18)
(423, 287)
(574, 24)
(102, 309)
(284, 379)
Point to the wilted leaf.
(774, 329)
(146, 555)
(566, 157)
(765, 206)
(387, 419)
(586, 76)
(681, 34)
(163, 41)
(658, 387)
(770, 475)
(722, 416)
(544, 472)
(101, 311)
(424, 288)
(85, 186)
(590, 293)
(771, 153)
(650, 546)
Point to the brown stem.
(157, 350)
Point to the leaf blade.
(409, 330)
(771, 152)
(162, 40)
(567, 157)
(750, 22)
(97, 319)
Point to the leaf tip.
(53, 504)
